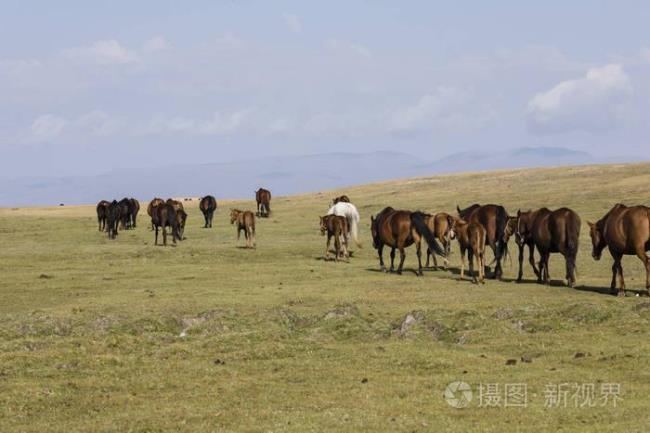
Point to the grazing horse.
(350, 212)
(549, 231)
(135, 208)
(263, 199)
(625, 231)
(245, 222)
(164, 215)
(471, 239)
(102, 209)
(494, 219)
(440, 225)
(152, 205)
(208, 205)
(335, 226)
(113, 217)
(400, 229)
(341, 199)
(181, 215)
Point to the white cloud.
(47, 126)
(105, 52)
(591, 103)
(349, 47)
(155, 44)
(446, 107)
(218, 124)
(98, 123)
(293, 22)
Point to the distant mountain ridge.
(282, 174)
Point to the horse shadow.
(608, 291)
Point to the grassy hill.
(115, 336)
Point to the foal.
(440, 225)
(471, 238)
(245, 221)
(337, 227)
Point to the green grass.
(279, 340)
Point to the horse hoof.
(621, 293)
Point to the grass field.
(122, 336)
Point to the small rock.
(511, 362)
(219, 362)
(579, 355)
(45, 276)
(364, 380)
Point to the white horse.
(349, 211)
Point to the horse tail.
(501, 244)
(572, 228)
(417, 220)
(353, 221)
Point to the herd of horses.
(623, 230)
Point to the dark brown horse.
(625, 231)
(164, 215)
(495, 219)
(400, 229)
(440, 225)
(549, 231)
(150, 208)
(181, 216)
(336, 227)
(511, 229)
(245, 221)
(135, 208)
(113, 216)
(207, 206)
(102, 209)
(263, 199)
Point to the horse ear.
(518, 213)
(458, 209)
(372, 219)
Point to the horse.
(350, 212)
(164, 215)
(511, 229)
(208, 205)
(181, 217)
(335, 226)
(341, 199)
(400, 229)
(113, 216)
(102, 209)
(126, 210)
(494, 219)
(471, 239)
(549, 231)
(625, 231)
(156, 201)
(440, 225)
(263, 199)
(135, 208)
(245, 221)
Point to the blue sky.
(92, 86)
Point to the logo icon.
(458, 395)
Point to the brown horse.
(150, 208)
(511, 229)
(341, 199)
(471, 239)
(180, 214)
(245, 222)
(102, 210)
(207, 206)
(440, 225)
(135, 208)
(625, 231)
(164, 215)
(400, 229)
(549, 231)
(494, 219)
(263, 199)
(337, 227)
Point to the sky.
(90, 87)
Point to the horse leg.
(498, 271)
(337, 247)
(418, 251)
(470, 258)
(402, 256)
(392, 259)
(380, 253)
(447, 245)
(428, 254)
(620, 274)
(520, 275)
(164, 231)
(462, 263)
(481, 269)
(327, 246)
(156, 241)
